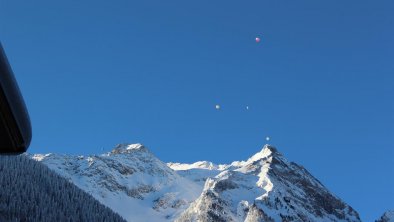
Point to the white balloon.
(217, 107)
(267, 138)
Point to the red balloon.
(258, 39)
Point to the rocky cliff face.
(137, 185)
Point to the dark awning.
(15, 128)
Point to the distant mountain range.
(138, 186)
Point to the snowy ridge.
(137, 185)
(197, 165)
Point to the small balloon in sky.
(217, 107)
(247, 107)
(258, 39)
(267, 138)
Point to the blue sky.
(320, 83)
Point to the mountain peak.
(271, 148)
(128, 148)
(264, 153)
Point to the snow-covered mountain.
(130, 180)
(266, 187)
(137, 185)
(387, 217)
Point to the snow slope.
(266, 187)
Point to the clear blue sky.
(320, 83)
